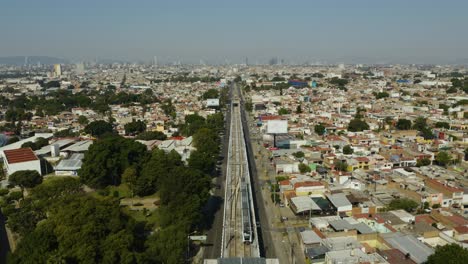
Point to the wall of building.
(29, 165)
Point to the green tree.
(298, 155)
(357, 125)
(403, 203)
(420, 123)
(303, 168)
(210, 94)
(443, 158)
(65, 133)
(215, 122)
(169, 109)
(283, 111)
(299, 109)
(99, 128)
(319, 129)
(80, 229)
(25, 179)
(449, 254)
(348, 150)
(129, 177)
(341, 166)
(192, 124)
(107, 159)
(442, 125)
(338, 81)
(83, 120)
(134, 127)
(249, 106)
(423, 162)
(151, 135)
(403, 124)
(29, 144)
(381, 95)
(452, 90)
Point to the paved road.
(212, 250)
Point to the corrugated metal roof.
(339, 199)
(18, 144)
(72, 164)
(304, 203)
(310, 237)
(80, 146)
(61, 143)
(417, 250)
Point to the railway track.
(238, 229)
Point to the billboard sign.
(277, 126)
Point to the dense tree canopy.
(152, 135)
(338, 81)
(442, 125)
(341, 166)
(107, 158)
(381, 95)
(211, 94)
(134, 127)
(403, 124)
(319, 129)
(283, 111)
(192, 124)
(347, 150)
(303, 168)
(357, 125)
(449, 254)
(25, 178)
(423, 162)
(443, 158)
(99, 128)
(80, 229)
(408, 205)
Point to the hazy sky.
(190, 30)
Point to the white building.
(20, 159)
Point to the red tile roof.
(443, 186)
(461, 229)
(20, 155)
(362, 159)
(395, 256)
(271, 117)
(285, 182)
(307, 184)
(424, 218)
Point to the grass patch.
(150, 217)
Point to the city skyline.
(298, 32)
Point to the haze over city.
(234, 132)
(229, 31)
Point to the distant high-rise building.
(57, 70)
(273, 61)
(80, 68)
